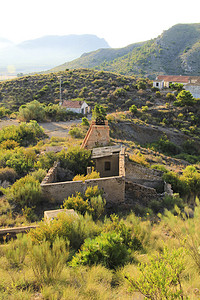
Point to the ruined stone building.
(123, 181)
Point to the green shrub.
(72, 228)
(33, 110)
(133, 109)
(39, 174)
(145, 108)
(85, 122)
(92, 202)
(169, 202)
(107, 249)
(92, 175)
(8, 174)
(166, 146)
(24, 134)
(76, 133)
(9, 144)
(17, 250)
(125, 231)
(77, 203)
(46, 160)
(184, 98)
(161, 278)
(160, 168)
(174, 180)
(75, 159)
(24, 192)
(48, 261)
(21, 160)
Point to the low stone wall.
(134, 170)
(136, 193)
(113, 187)
(144, 176)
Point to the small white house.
(80, 107)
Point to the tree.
(99, 114)
(184, 98)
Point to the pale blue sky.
(119, 22)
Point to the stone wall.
(122, 162)
(113, 160)
(136, 193)
(113, 187)
(144, 176)
(97, 135)
(52, 174)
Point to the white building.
(80, 107)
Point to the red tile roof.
(174, 78)
(72, 104)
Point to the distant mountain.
(48, 51)
(175, 51)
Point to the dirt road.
(58, 129)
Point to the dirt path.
(57, 129)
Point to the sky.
(120, 23)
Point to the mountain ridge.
(45, 52)
(175, 51)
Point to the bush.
(24, 134)
(133, 109)
(17, 251)
(92, 175)
(33, 110)
(48, 260)
(46, 160)
(184, 98)
(9, 144)
(145, 108)
(77, 203)
(21, 160)
(107, 249)
(160, 168)
(139, 158)
(39, 174)
(92, 202)
(164, 271)
(75, 159)
(72, 228)
(8, 174)
(85, 122)
(76, 133)
(24, 192)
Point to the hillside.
(175, 51)
(45, 52)
(106, 88)
(116, 93)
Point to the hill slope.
(176, 51)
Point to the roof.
(105, 151)
(174, 78)
(72, 104)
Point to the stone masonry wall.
(97, 135)
(122, 162)
(136, 193)
(52, 174)
(113, 187)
